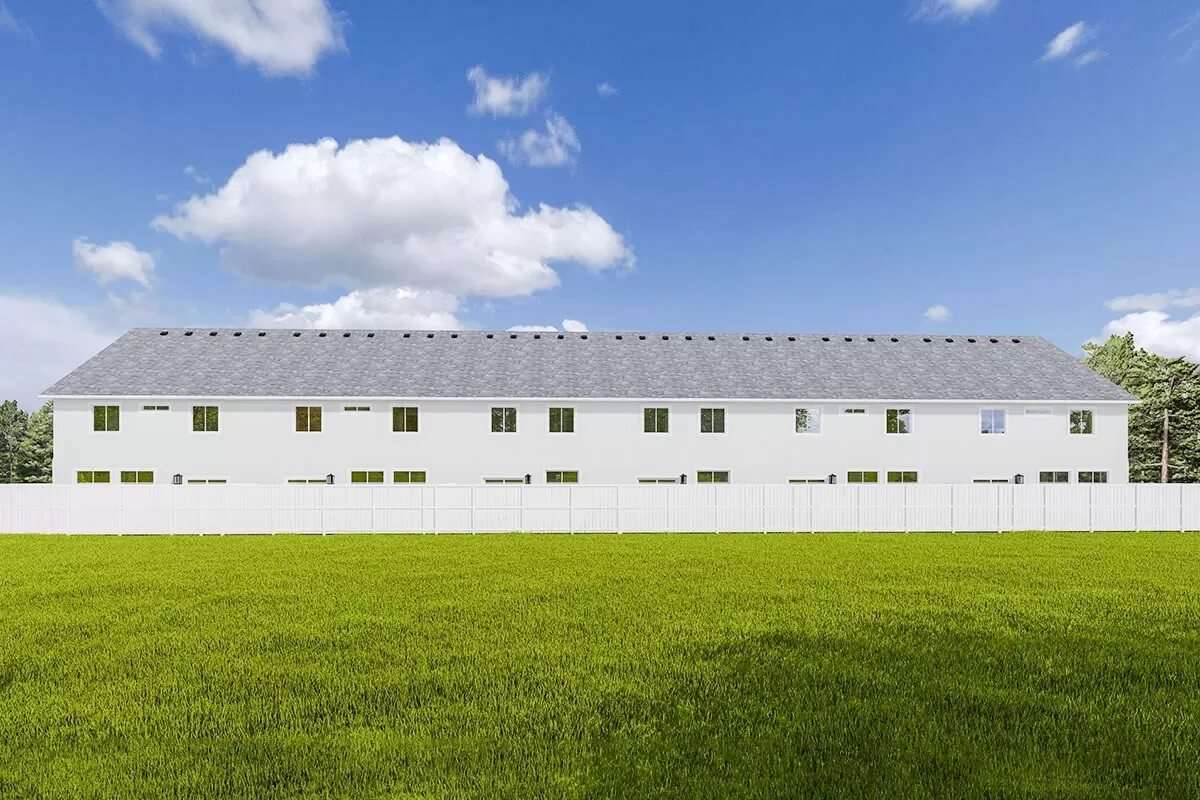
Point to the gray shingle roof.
(284, 363)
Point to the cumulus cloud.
(955, 9)
(371, 308)
(1156, 301)
(387, 212)
(114, 261)
(554, 147)
(280, 37)
(1069, 41)
(606, 89)
(506, 97)
(1157, 332)
(54, 339)
(568, 325)
(938, 313)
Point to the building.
(275, 406)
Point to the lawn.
(1025, 665)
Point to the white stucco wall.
(257, 442)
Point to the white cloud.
(10, 23)
(371, 308)
(196, 175)
(506, 97)
(1188, 24)
(1157, 332)
(938, 313)
(114, 261)
(53, 339)
(955, 9)
(280, 37)
(606, 89)
(568, 325)
(1070, 40)
(386, 212)
(557, 146)
(1090, 57)
(1157, 301)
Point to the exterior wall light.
(1018, 478)
(528, 479)
(177, 479)
(683, 478)
(329, 479)
(832, 478)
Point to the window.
(1054, 477)
(1038, 411)
(503, 481)
(658, 480)
(357, 408)
(130, 476)
(899, 420)
(206, 480)
(306, 480)
(1093, 477)
(854, 411)
(408, 476)
(655, 420)
(156, 408)
(712, 420)
(990, 480)
(308, 419)
(1081, 421)
(993, 421)
(807, 480)
(557, 476)
(404, 419)
(862, 477)
(808, 420)
(106, 418)
(366, 476)
(712, 477)
(92, 476)
(562, 420)
(504, 420)
(902, 477)
(205, 418)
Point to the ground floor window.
(1093, 477)
(712, 476)
(206, 480)
(408, 476)
(130, 476)
(1054, 477)
(902, 477)
(366, 476)
(860, 476)
(658, 480)
(562, 476)
(92, 476)
(307, 480)
(808, 480)
(503, 481)
(990, 480)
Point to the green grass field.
(1040, 665)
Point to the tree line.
(1164, 426)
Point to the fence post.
(904, 504)
(618, 509)
(1182, 526)
(953, 505)
(1092, 508)
(471, 504)
(570, 509)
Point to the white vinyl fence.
(221, 509)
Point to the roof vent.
(927, 340)
(429, 336)
(188, 333)
(162, 333)
(537, 336)
(994, 341)
(454, 336)
(1016, 341)
(849, 338)
(212, 333)
(791, 338)
(407, 335)
(296, 335)
(666, 338)
(512, 336)
(491, 336)
(560, 336)
(895, 339)
(322, 334)
(949, 340)
(712, 338)
(239, 333)
(770, 338)
(870, 338)
(370, 336)
(824, 338)
(688, 338)
(641, 338)
(345, 335)
(583, 336)
(618, 337)
(264, 333)
(972, 341)
(745, 338)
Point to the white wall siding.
(257, 442)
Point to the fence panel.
(220, 509)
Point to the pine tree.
(35, 452)
(12, 427)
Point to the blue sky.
(1024, 167)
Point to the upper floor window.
(1082, 421)
(1093, 477)
(308, 419)
(92, 476)
(562, 420)
(899, 420)
(712, 420)
(902, 477)
(356, 408)
(366, 476)
(808, 420)
(504, 420)
(106, 418)
(721, 476)
(140, 476)
(862, 477)
(156, 408)
(404, 419)
(205, 418)
(562, 476)
(655, 420)
(1051, 476)
(854, 411)
(993, 421)
(408, 476)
